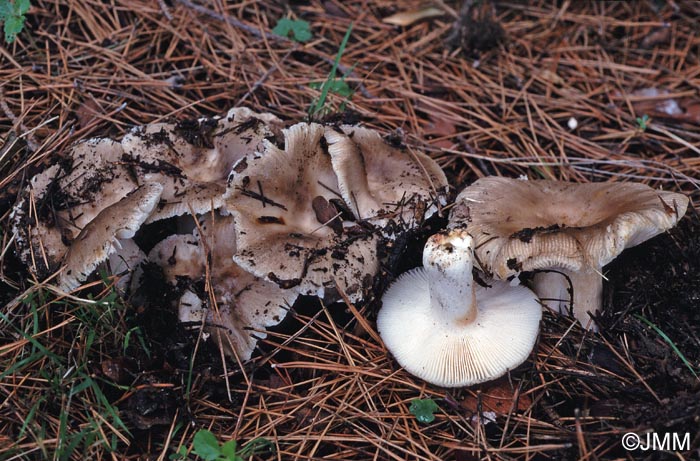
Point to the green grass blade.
(327, 84)
(668, 340)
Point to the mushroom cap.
(380, 181)
(96, 179)
(179, 255)
(288, 229)
(192, 159)
(39, 241)
(245, 304)
(455, 355)
(526, 225)
(60, 201)
(101, 236)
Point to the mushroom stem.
(554, 289)
(448, 261)
(431, 322)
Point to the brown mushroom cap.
(380, 181)
(192, 159)
(101, 236)
(525, 225)
(528, 225)
(289, 228)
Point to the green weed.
(296, 29)
(643, 122)
(423, 410)
(12, 14)
(318, 107)
(206, 446)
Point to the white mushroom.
(449, 332)
(571, 230)
(124, 261)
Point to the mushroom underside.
(499, 339)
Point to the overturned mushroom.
(570, 230)
(192, 159)
(381, 182)
(289, 216)
(243, 305)
(101, 236)
(446, 330)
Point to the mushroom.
(289, 217)
(63, 199)
(381, 182)
(124, 262)
(243, 305)
(569, 230)
(192, 159)
(449, 332)
(101, 236)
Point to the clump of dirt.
(660, 282)
(475, 31)
(652, 300)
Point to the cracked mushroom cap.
(289, 219)
(192, 159)
(381, 182)
(63, 199)
(245, 305)
(443, 328)
(101, 236)
(572, 228)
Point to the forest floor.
(577, 91)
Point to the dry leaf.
(497, 396)
(406, 18)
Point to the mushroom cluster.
(267, 214)
(462, 334)
(267, 221)
(309, 216)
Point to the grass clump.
(67, 409)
